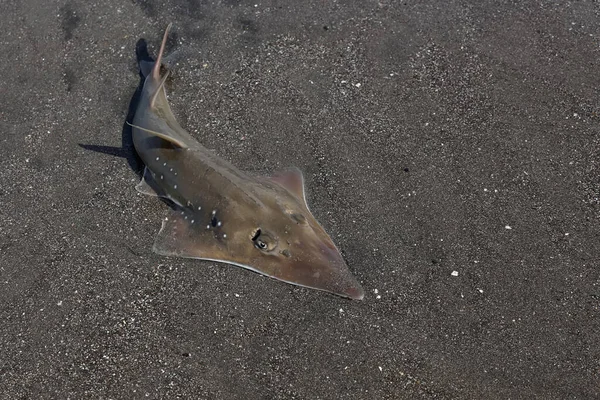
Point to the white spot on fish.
(164, 164)
(171, 169)
(219, 223)
(192, 221)
(161, 177)
(174, 186)
(175, 173)
(207, 226)
(214, 212)
(183, 212)
(224, 235)
(199, 208)
(185, 217)
(157, 158)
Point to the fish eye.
(263, 241)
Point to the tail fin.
(146, 67)
(144, 60)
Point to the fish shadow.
(127, 149)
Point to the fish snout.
(322, 267)
(341, 279)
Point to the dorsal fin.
(158, 89)
(156, 68)
(168, 138)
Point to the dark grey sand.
(452, 150)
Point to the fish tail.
(145, 62)
(146, 67)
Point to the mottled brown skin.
(224, 214)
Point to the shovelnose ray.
(223, 214)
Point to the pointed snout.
(337, 279)
(340, 279)
(322, 267)
(355, 293)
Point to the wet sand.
(451, 150)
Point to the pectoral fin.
(182, 236)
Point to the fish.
(220, 213)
